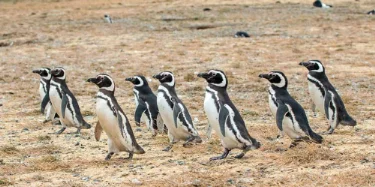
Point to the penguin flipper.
(223, 117)
(327, 101)
(141, 108)
(64, 104)
(176, 112)
(282, 109)
(44, 103)
(98, 131)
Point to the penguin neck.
(106, 92)
(319, 75)
(45, 80)
(59, 81)
(279, 89)
(221, 90)
(171, 89)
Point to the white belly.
(110, 125)
(41, 92)
(166, 113)
(293, 131)
(316, 97)
(56, 103)
(273, 107)
(229, 141)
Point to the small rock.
(2, 162)
(85, 178)
(196, 182)
(206, 9)
(138, 129)
(75, 175)
(365, 160)
(25, 129)
(180, 162)
(230, 181)
(136, 182)
(77, 144)
(17, 121)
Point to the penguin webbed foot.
(131, 154)
(169, 147)
(224, 155)
(109, 155)
(329, 131)
(188, 141)
(60, 131)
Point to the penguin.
(113, 120)
(146, 104)
(224, 117)
(174, 113)
(291, 118)
(44, 84)
(64, 102)
(241, 34)
(107, 18)
(372, 12)
(325, 96)
(320, 4)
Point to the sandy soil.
(150, 36)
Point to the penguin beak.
(130, 79)
(93, 80)
(37, 71)
(265, 76)
(203, 75)
(306, 64)
(157, 76)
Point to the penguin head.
(313, 65)
(58, 73)
(276, 78)
(103, 81)
(215, 77)
(138, 80)
(45, 73)
(165, 77)
(106, 15)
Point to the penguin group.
(166, 112)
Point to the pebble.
(77, 144)
(136, 182)
(85, 178)
(138, 129)
(25, 129)
(75, 175)
(230, 181)
(196, 182)
(180, 162)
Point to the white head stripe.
(223, 83)
(110, 88)
(282, 81)
(320, 66)
(140, 81)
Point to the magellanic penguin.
(45, 79)
(291, 118)
(146, 104)
(241, 34)
(372, 12)
(224, 117)
(325, 97)
(64, 102)
(320, 4)
(107, 18)
(113, 120)
(174, 113)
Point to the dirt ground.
(156, 35)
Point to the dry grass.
(148, 37)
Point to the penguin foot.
(188, 141)
(45, 121)
(61, 130)
(239, 156)
(295, 143)
(224, 155)
(109, 155)
(329, 131)
(168, 148)
(77, 132)
(129, 157)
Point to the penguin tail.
(139, 150)
(348, 121)
(316, 137)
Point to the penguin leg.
(171, 142)
(209, 131)
(295, 143)
(329, 130)
(61, 130)
(109, 155)
(224, 155)
(130, 156)
(313, 108)
(188, 141)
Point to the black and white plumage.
(174, 113)
(291, 118)
(45, 79)
(113, 120)
(146, 104)
(325, 97)
(320, 4)
(107, 18)
(64, 102)
(224, 117)
(372, 12)
(241, 34)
